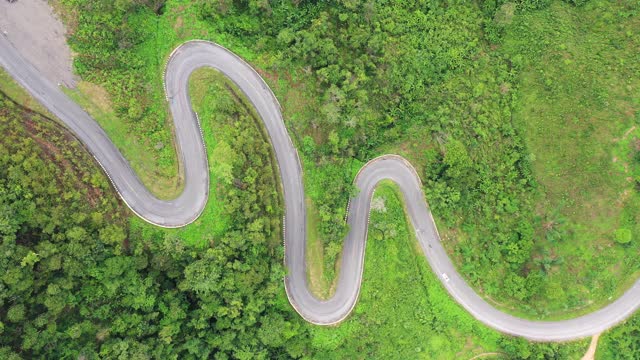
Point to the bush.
(623, 236)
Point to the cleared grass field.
(578, 108)
(164, 181)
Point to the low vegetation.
(520, 117)
(513, 142)
(142, 292)
(404, 313)
(164, 181)
(577, 106)
(621, 343)
(79, 282)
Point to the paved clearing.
(33, 29)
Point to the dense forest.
(462, 89)
(76, 283)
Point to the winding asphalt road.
(188, 206)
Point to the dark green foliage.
(75, 283)
(517, 348)
(622, 342)
(437, 81)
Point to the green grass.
(578, 107)
(403, 312)
(151, 150)
(323, 257)
(400, 302)
(158, 168)
(163, 181)
(16, 93)
(397, 278)
(319, 282)
(211, 94)
(152, 153)
(387, 313)
(209, 90)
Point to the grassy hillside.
(520, 117)
(578, 108)
(404, 313)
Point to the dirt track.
(32, 27)
(591, 352)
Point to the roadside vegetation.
(577, 107)
(519, 116)
(621, 342)
(164, 180)
(81, 278)
(137, 291)
(404, 313)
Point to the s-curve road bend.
(188, 206)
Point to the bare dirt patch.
(32, 27)
(591, 352)
(179, 23)
(98, 95)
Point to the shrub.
(623, 236)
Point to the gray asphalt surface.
(33, 29)
(188, 206)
